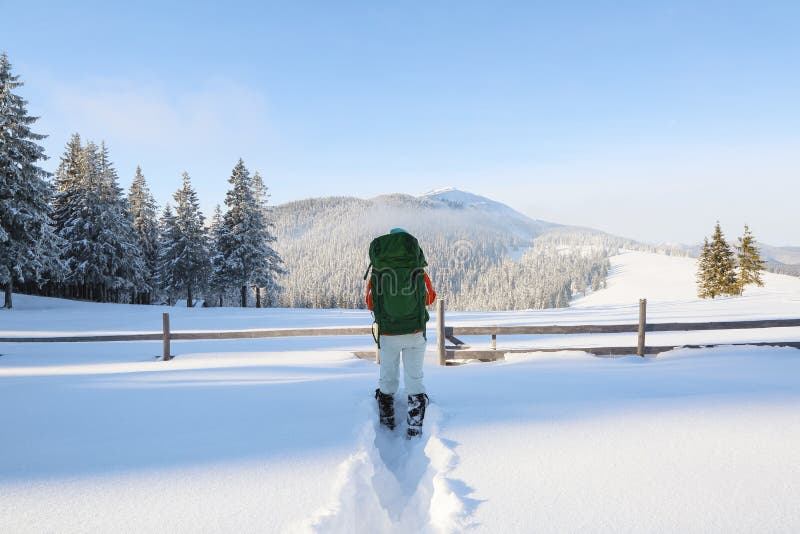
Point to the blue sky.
(645, 119)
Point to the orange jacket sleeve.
(369, 294)
(431, 293)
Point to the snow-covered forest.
(479, 257)
(80, 236)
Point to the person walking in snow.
(398, 292)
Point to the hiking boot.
(416, 413)
(385, 408)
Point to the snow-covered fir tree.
(218, 287)
(143, 209)
(80, 216)
(28, 244)
(68, 179)
(264, 275)
(246, 257)
(184, 254)
(126, 272)
(748, 256)
(168, 237)
(102, 252)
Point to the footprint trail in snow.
(397, 485)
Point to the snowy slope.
(280, 436)
(672, 279)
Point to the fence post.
(642, 324)
(165, 322)
(440, 333)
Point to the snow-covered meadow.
(279, 435)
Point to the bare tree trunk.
(189, 296)
(258, 297)
(9, 289)
(244, 296)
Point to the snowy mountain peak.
(440, 190)
(457, 198)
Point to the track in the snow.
(393, 484)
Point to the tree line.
(721, 271)
(80, 236)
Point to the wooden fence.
(449, 354)
(458, 351)
(166, 335)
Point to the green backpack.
(398, 284)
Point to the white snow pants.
(412, 348)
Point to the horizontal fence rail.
(166, 335)
(231, 334)
(459, 350)
(83, 339)
(615, 328)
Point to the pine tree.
(722, 265)
(217, 283)
(81, 214)
(28, 244)
(69, 175)
(705, 282)
(266, 271)
(244, 242)
(187, 245)
(749, 259)
(125, 267)
(143, 210)
(168, 237)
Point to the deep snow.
(279, 435)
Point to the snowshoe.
(385, 408)
(416, 414)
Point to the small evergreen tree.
(217, 282)
(721, 266)
(749, 259)
(125, 267)
(68, 182)
(266, 270)
(244, 239)
(168, 237)
(143, 210)
(28, 244)
(705, 281)
(187, 246)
